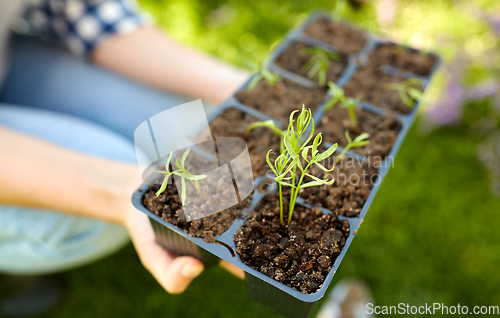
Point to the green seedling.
(291, 166)
(318, 63)
(336, 93)
(347, 103)
(271, 125)
(350, 105)
(408, 93)
(262, 72)
(182, 173)
(359, 141)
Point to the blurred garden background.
(432, 232)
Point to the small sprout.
(347, 103)
(318, 63)
(336, 93)
(262, 72)
(291, 166)
(181, 172)
(359, 141)
(408, 92)
(271, 125)
(268, 124)
(350, 105)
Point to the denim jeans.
(57, 97)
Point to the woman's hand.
(173, 273)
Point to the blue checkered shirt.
(82, 24)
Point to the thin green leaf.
(407, 100)
(313, 177)
(185, 155)
(289, 148)
(285, 183)
(348, 137)
(333, 55)
(183, 191)
(360, 140)
(321, 78)
(253, 83)
(268, 124)
(323, 167)
(305, 151)
(269, 163)
(314, 69)
(317, 141)
(335, 91)
(190, 176)
(327, 153)
(312, 184)
(362, 137)
(417, 95)
(412, 81)
(163, 186)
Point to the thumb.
(180, 273)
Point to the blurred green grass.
(430, 235)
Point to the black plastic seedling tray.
(283, 299)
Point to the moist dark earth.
(409, 60)
(280, 100)
(344, 39)
(232, 122)
(292, 60)
(300, 255)
(168, 206)
(354, 180)
(383, 130)
(370, 82)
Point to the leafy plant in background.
(408, 92)
(319, 62)
(347, 103)
(262, 72)
(181, 172)
(292, 165)
(271, 125)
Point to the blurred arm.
(35, 173)
(150, 56)
(39, 174)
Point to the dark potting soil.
(168, 206)
(383, 130)
(280, 100)
(354, 180)
(292, 60)
(344, 39)
(370, 82)
(233, 122)
(398, 56)
(300, 255)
